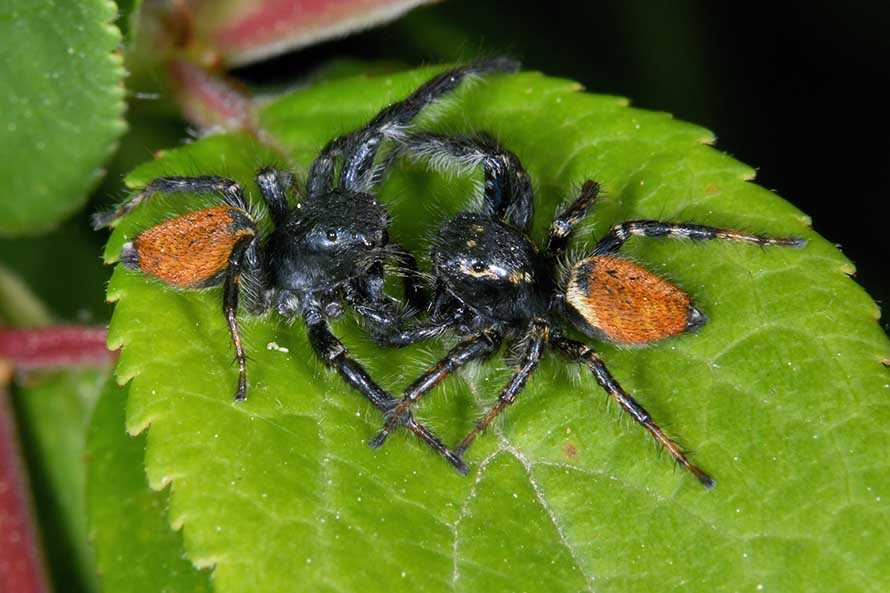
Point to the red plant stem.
(55, 347)
(22, 569)
(208, 98)
(264, 28)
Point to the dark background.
(799, 92)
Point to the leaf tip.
(135, 428)
(206, 562)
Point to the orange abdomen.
(621, 302)
(189, 250)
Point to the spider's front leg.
(358, 150)
(227, 188)
(367, 292)
(358, 172)
(537, 336)
(506, 191)
(564, 224)
(273, 185)
(389, 323)
(335, 355)
(478, 347)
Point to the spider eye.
(332, 236)
(478, 267)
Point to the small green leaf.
(61, 96)
(135, 549)
(782, 393)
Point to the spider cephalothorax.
(493, 283)
(330, 247)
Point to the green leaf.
(61, 96)
(782, 394)
(135, 549)
(53, 411)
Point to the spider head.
(327, 240)
(491, 267)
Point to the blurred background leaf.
(62, 100)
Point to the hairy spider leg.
(384, 314)
(408, 272)
(538, 336)
(507, 188)
(367, 295)
(335, 355)
(376, 307)
(508, 194)
(585, 355)
(620, 233)
(478, 347)
(359, 149)
(196, 250)
(231, 290)
(392, 121)
(562, 226)
(204, 184)
(273, 185)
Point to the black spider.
(492, 282)
(332, 245)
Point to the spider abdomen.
(619, 301)
(189, 250)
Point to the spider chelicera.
(330, 247)
(491, 282)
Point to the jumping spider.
(491, 283)
(330, 247)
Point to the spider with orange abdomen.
(330, 247)
(492, 282)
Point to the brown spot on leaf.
(570, 450)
